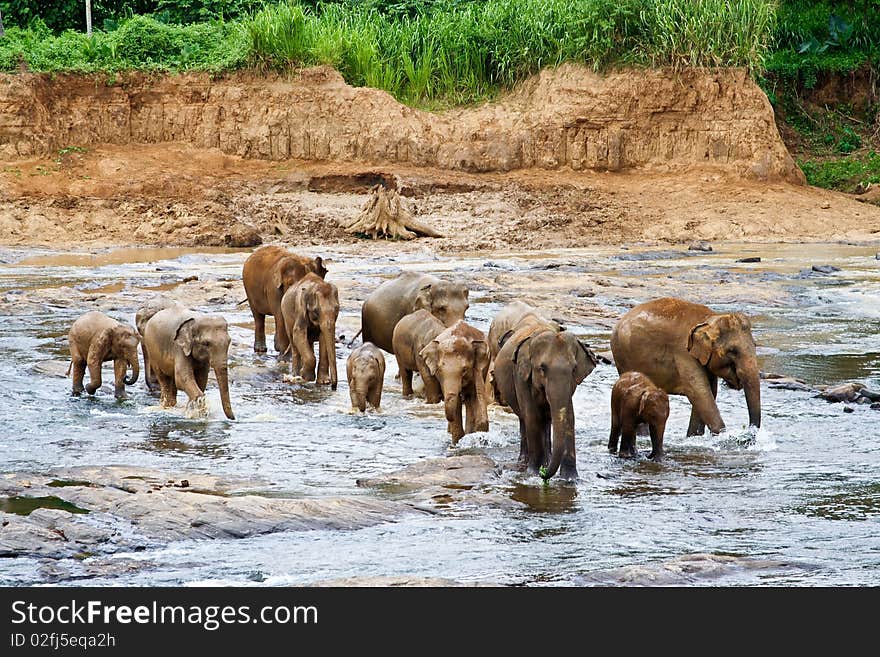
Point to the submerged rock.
(825, 269)
(850, 392)
(750, 259)
(396, 580)
(700, 246)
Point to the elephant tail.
(242, 302)
(69, 367)
(351, 342)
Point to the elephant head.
(447, 301)
(554, 363)
(724, 345)
(205, 339)
(290, 269)
(457, 362)
(119, 342)
(322, 307)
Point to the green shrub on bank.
(845, 174)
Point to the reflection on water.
(780, 494)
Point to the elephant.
(95, 338)
(458, 358)
(310, 309)
(684, 348)
(508, 317)
(143, 315)
(537, 371)
(636, 400)
(411, 335)
(267, 274)
(411, 291)
(183, 346)
(365, 369)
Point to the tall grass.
(447, 51)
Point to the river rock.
(846, 392)
(396, 581)
(750, 259)
(130, 508)
(700, 246)
(825, 269)
(454, 471)
(680, 571)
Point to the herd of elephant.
(526, 362)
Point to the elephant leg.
(696, 426)
(323, 365)
(628, 440)
(470, 414)
(406, 381)
(149, 376)
(168, 398)
(79, 372)
(656, 444)
(707, 411)
(305, 353)
(185, 379)
(535, 430)
(614, 438)
(433, 392)
(120, 367)
(523, 459)
(94, 377)
(259, 332)
(282, 339)
(374, 396)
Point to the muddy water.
(799, 502)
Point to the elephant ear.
(423, 298)
(504, 338)
(481, 355)
(522, 358)
(319, 267)
(701, 341)
(431, 355)
(100, 347)
(278, 277)
(586, 361)
(184, 336)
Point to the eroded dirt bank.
(178, 194)
(565, 117)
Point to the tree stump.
(384, 215)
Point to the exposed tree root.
(384, 215)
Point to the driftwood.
(384, 215)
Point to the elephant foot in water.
(196, 408)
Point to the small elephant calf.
(636, 400)
(96, 338)
(365, 369)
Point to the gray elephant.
(365, 369)
(410, 291)
(95, 338)
(412, 334)
(143, 315)
(458, 358)
(685, 348)
(184, 346)
(537, 371)
(310, 309)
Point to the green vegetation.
(436, 53)
(844, 174)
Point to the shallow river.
(800, 501)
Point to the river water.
(797, 504)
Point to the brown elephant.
(537, 371)
(636, 400)
(184, 346)
(95, 338)
(411, 291)
(310, 309)
(412, 334)
(365, 369)
(506, 319)
(267, 274)
(143, 315)
(458, 358)
(684, 348)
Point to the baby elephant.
(95, 338)
(366, 373)
(310, 309)
(636, 400)
(458, 358)
(412, 334)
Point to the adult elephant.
(267, 274)
(407, 293)
(537, 371)
(684, 348)
(183, 346)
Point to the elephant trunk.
(222, 374)
(359, 394)
(562, 453)
(751, 382)
(135, 368)
(328, 350)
